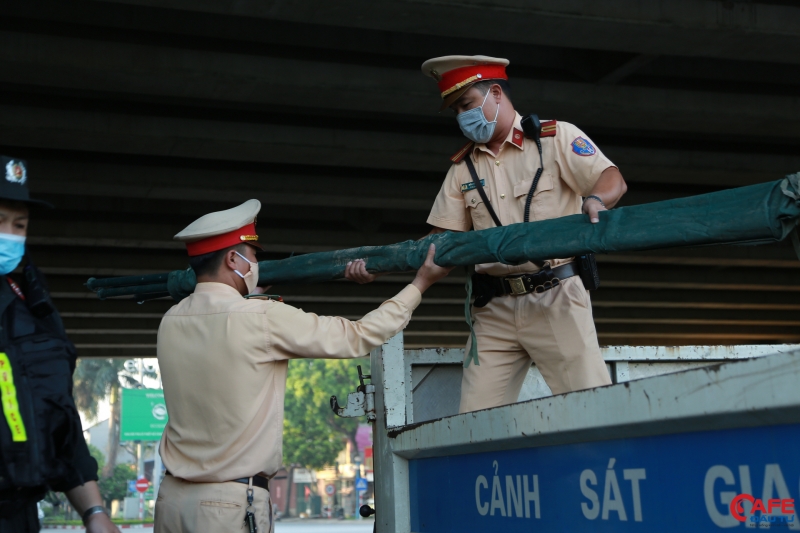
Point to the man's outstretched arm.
(294, 333)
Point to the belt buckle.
(517, 286)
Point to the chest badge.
(471, 186)
(583, 147)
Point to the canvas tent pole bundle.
(756, 214)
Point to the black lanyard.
(478, 186)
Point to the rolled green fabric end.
(766, 212)
(181, 283)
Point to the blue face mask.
(474, 125)
(12, 248)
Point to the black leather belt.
(259, 480)
(541, 281)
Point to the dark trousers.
(23, 518)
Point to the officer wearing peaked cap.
(456, 74)
(41, 442)
(223, 354)
(538, 313)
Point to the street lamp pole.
(355, 486)
(140, 448)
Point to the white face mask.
(251, 278)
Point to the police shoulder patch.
(458, 156)
(583, 147)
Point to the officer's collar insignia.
(471, 186)
(516, 137)
(15, 172)
(583, 147)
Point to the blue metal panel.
(680, 482)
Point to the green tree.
(98, 455)
(94, 380)
(59, 502)
(115, 486)
(312, 434)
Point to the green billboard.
(144, 414)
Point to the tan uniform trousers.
(554, 330)
(187, 507)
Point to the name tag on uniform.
(471, 186)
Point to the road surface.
(325, 526)
(301, 526)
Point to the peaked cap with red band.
(222, 229)
(455, 74)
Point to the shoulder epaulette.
(458, 156)
(549, 128)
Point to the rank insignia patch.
(15, 172)
(583, 147)
(471, 186)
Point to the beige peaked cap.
(220, 222)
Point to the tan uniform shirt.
(568, 175)
(223, 362)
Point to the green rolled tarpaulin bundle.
(766, 212)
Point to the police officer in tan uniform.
(549, 324)
(540, 313)
(223, 358)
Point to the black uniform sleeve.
(84, 468)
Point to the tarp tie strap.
(795, 236)
(472, 353)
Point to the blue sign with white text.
(688, 482)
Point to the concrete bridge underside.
(138, 116)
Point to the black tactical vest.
(40, 421)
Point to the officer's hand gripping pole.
(359, 403)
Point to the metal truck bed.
(662, 453)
